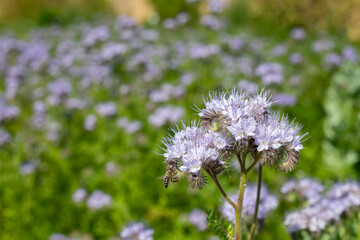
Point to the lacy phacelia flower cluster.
(307, 188)
(341, 198)
(232, 123)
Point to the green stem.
(256, 160)
(252, 232)
(214, 178)
(240, 161)
(238, 209)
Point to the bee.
(172, 173)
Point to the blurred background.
(88, 90)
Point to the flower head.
(234, 122)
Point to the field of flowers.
(84, 109)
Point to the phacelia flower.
(199, 219)
(79, 196)
(137, 231)
(98, 200)
(233, 122)
(339, 199)
(307, 188)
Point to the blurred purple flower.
(296, 58)
(90, 123)
(79, 195)
(332, 60)
(247, 86)
(298, 34)
(350, 54)
(322, 45)
(216, 6)
(106, 109)
(284, 99)
(307, 188)
(165, 114)
(199, 219)
(28, 167)
(136, 231)
(98, 200)
(270, 73)
(129, 126)
(211, 22)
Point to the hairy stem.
(238, 209)
(214, 178)
(241, 162)
(252, 232)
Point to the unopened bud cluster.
(233, 123)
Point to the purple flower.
(194, 158)
(296, 58)
(98, 200)
(322, 45)
(129, 126)
(279, 50)
(79, 196)
(28, 167)
(95, 35)
(307, 188)
(332, 60)
(58, 236)
(137, 231)
(284, 99)
(243, 128)
(111, 51)
(39, 116)
(340, 198)
(233, 121)
(182, 18)
(58, 89)
(8, 112)
(106, 109)
(169, 23)
(270, 73)
(350, 54)
(236, 43)
(247, 86)
(90, 123)
(111, 168)
(186, 79)
(165, 114)
(216, 6)
(75, 104)
(199, 219)
(211, 22)
(298, 34)
(204, 51)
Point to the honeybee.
(172, 174)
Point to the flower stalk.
(217, 183)
(239, 205)
(252, 231)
